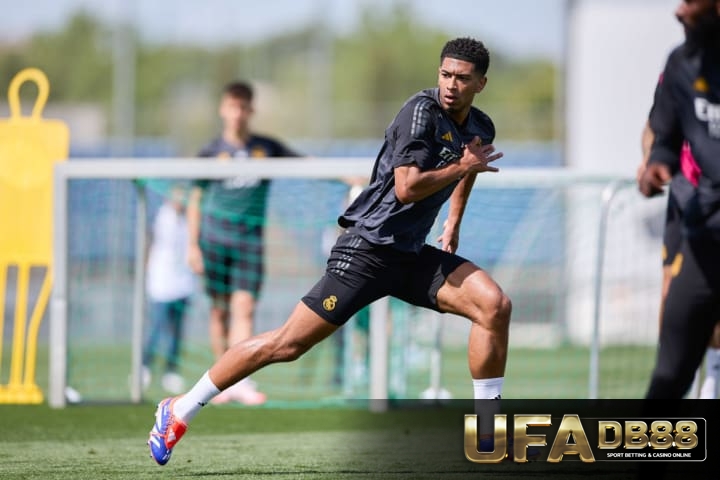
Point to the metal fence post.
(138, 316)
(607, 197)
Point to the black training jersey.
(684, 180)
(422, 134)
(687, 106)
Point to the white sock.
(187, 406)
(712, 371)
(486, 393)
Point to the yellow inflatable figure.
(29, 147)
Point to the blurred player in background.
(680, 190)
(687, 108)
(433, 150)
(170, 285)
(226, 221)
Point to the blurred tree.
(378, 66)
(311, 84)
(75, 59)
(520, 97)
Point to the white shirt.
(168, 275)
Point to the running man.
(433, 150)
(680, 190)
(687, 107)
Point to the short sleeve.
(284, 151)
(413, 134)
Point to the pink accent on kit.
(688, 166)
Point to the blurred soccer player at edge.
(687, 107)
(681, 188)
(432, 152)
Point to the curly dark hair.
(241, 90)
(469, 50)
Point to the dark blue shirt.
(422, 134)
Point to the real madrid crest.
(329, 303)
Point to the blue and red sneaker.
(167, 431)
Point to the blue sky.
(517, 27)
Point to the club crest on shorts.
(329, 303)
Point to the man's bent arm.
(413, 184)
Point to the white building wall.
(615, 51)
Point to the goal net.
(579, 254)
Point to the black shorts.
(230, 268)
(359, 273)
(679, 192)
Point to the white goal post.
(130, 169)
(311, 168)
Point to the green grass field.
(306, 431)
(100, 373)
(108, 442)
